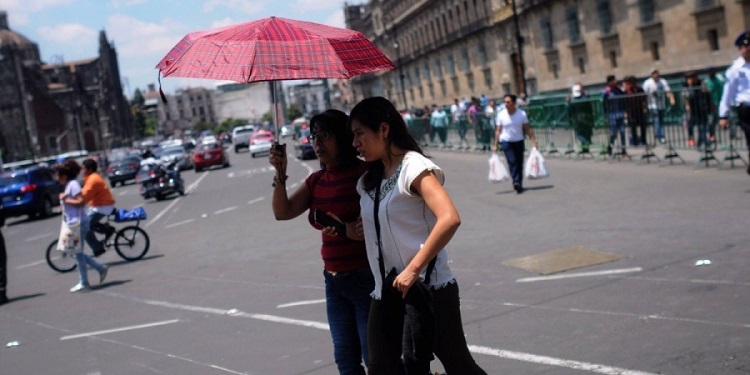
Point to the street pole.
(519, 42)
(401, 76)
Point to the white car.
(241, 137)
(261, 142)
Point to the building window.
(574, 31)
(417, 77)
(506, 88)
(451, 66)
(482, 54)
(411, 94)
(432, 90)
(421, 92)
(581, 65)
(613, 59)
(427, 74)
(438, 68)
(488, 78)
(648, 11)
(704, 4)
(443, 89)
(470, 80)
(605, 16)
(465, 59)
(713, 39)
(546, 28)
(456, 88)
(52, 141)
(655, 51)
(555, 71)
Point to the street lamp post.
(400, 74)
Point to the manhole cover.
(562, 260)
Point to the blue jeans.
(617, 125)
(348, 306)
(657, 116)
(514, 155)
(83, 261)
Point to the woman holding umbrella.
(348, 280)
(407, 220)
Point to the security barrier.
(592, 128)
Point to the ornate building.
(47, 109)
(447, 49)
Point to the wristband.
(279, 181)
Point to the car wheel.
(46, 210)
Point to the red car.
(209, 154)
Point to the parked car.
(261, 142)
(123, 170)
(286, 131)
(241, 137)
(177, 154)
(303, 147)
(32, 191)
(208, 154)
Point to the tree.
(293, 113)
(150, 128)
(139, 123)
(267, 117)
(138, 99)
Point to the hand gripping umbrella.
(273, 49)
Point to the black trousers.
(3, 266)
(743, 113)
(449, 344)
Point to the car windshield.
(12, 178)
(173, 151)
(243, 131)
(208, 147)
(127, 160)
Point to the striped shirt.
(334, 190)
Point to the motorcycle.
(159, 181)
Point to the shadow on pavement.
(110, 284)
(24, 297)
(123, 261)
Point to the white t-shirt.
(405, 222)
(72, 214)
(512, 125)
(656, 92)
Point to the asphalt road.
(225, 289)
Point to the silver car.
(177, 154)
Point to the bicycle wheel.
(132, 243)
(58, 260)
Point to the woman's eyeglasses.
(319, 135)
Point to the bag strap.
(381, 263)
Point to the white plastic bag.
(535, 167)
(70, 238)
(497, 170)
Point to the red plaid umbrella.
(273, 49)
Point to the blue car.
(303, 149)
(31, 191)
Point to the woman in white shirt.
(72, 202)
(416, 220)
(511, 124)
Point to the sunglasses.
(319, 135)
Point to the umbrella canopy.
(273, 49)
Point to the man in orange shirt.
(101, 203)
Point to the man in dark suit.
(3, 261)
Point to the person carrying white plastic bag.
(511, 125)
(497, 170)
(535, 167)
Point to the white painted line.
(301, 303)
(124, 192)
(580, 274)
(189, 189)
(219, 212)
(696, 281)
(130, 328)
(282, 320)
(38, 237)
(256, 200)
(179, 223)
(32, 264)
(230, 174)
(631, 315)
(552, 361)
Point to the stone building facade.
(47, 109)
(447, 49)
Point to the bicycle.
(130, 242)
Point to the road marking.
(121, 329)
(256, 200)
(300, 303)
(696, 281)
(189, 189)
(552, 361)
(32, 264)
(179, 223)
(580, 274)
(125, 192)
(38, 237)
(520, 356)
(219, 212)
(631, 315)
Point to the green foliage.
(139, 123)
(201, 126)
(138, 99)
(150, 129)
(267, 117)
(293, 113)
(228, 124)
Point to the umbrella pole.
(275, 110)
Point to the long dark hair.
(372, 112)
(69, 168)
(336, 123)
